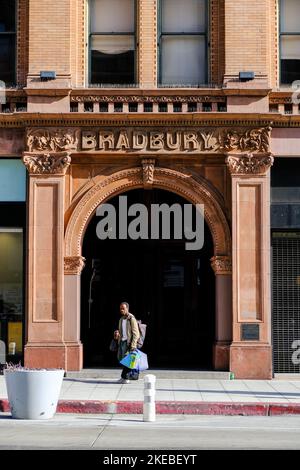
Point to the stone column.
(45, 345)
(73, 268)
(250, 352)
(222, 267)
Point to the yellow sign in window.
(15, 336)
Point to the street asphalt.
(111, 432)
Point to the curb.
(173, 407)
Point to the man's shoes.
(123, 381)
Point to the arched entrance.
(169, 288)
(189, 186)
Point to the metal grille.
(286, 301)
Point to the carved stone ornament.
(148, 172)
(252, 140)
(47, 163)
(147, 99)
(52, 140)
(221, 264)
(74, 265)
(249, 164)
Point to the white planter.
(33, 394)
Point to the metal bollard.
(149, 398)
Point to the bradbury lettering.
(132, 140)
(194, 140)
(140, 140)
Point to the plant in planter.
(32, 393)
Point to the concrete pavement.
(177, 396)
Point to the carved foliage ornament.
(52, 140)
(221, 264)
(74, 265)
(253, 140)
(46, 163)
(148, 172)
(249, 164)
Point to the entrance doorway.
(170, 289)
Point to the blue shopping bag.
(131, 360)
(142, 362)
(135, 360)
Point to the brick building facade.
(150, 103)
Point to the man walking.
(127, 336)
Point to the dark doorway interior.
(169, 288)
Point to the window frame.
(89, 41)
(9, 34)
(281, 35)
(206, 35)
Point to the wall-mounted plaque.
(250, 332)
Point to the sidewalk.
(177, 396)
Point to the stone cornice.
(47, 92)
(74, 265)
(23, 120)
(55, 163)
(122, 119)
(161, 92)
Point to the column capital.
(249, 164)
(148, 166)
(74, 265)
(48, 163)
(221, 265)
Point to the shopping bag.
(113, 345)
(142, 362)
(130, 360)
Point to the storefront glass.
(11, 292)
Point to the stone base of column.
(221, 356)
(251, 361)
(74, 356)
(59, 355)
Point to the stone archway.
(194, 189)
(197, 191)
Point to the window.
(112, 42)
(290, 40)
(7, 41)
(12, 232)
(12, 180)
(183, 42)
(11, 292)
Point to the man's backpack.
(142, 330)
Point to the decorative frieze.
(147, 99)
(221, 265)
(249, 164)
(47, 163)
(159, 140)
(74, 265)
(148, 166)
